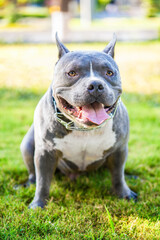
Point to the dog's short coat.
(86, 88)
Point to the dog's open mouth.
(91, 114)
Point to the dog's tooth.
(80, 114)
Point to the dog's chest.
(84, 148)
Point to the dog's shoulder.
(44, 115)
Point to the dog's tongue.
(94, 112)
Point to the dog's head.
(86, 84)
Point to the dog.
(80, 124)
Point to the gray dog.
(80, 123)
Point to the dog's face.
(86, 84)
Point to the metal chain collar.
(71, 126)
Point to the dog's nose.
(95, 87)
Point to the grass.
(139, 65)
(129, 24)
(30, 11)
(85, 209)
(37, 12)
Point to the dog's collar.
(71, 126)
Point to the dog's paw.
(28, 183)
(36, 204)
(126, 193)
(131, 195)
(31, 180)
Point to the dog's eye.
(109, 73)
(72, 74)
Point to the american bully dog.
(80, 123)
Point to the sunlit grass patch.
(129, 24)
(32, 66)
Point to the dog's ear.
(109, 49)
(61, 48)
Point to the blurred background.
(79, 20)
(88, 23)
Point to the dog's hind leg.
(27, 149)
(116, 163)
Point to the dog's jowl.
(80, 123)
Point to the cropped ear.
(109, 49)
(61, 48)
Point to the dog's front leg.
(45, 165)
(116, 164)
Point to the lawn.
(129, 24)
(30, 11)
(85, 209)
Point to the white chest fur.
(83, 148)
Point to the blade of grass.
(110, 220)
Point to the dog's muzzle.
(70, 125)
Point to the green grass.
(129, 24)
(85, 209)
(30, 11)
(37, 12)
(78, 210)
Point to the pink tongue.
(94, 112)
